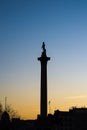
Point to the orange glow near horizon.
(29, 111)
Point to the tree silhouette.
(12, 113)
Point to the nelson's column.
(43, 91)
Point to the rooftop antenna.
(5, 103)
(49, 107)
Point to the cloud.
(76, 97)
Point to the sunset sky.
(24, 25)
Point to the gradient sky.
(24, 25)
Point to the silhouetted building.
(5, 121)
(5, 117)
(74, 119)
(43, 101)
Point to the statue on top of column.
(44, 50)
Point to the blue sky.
(24, 25)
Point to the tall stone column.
(43, 92)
